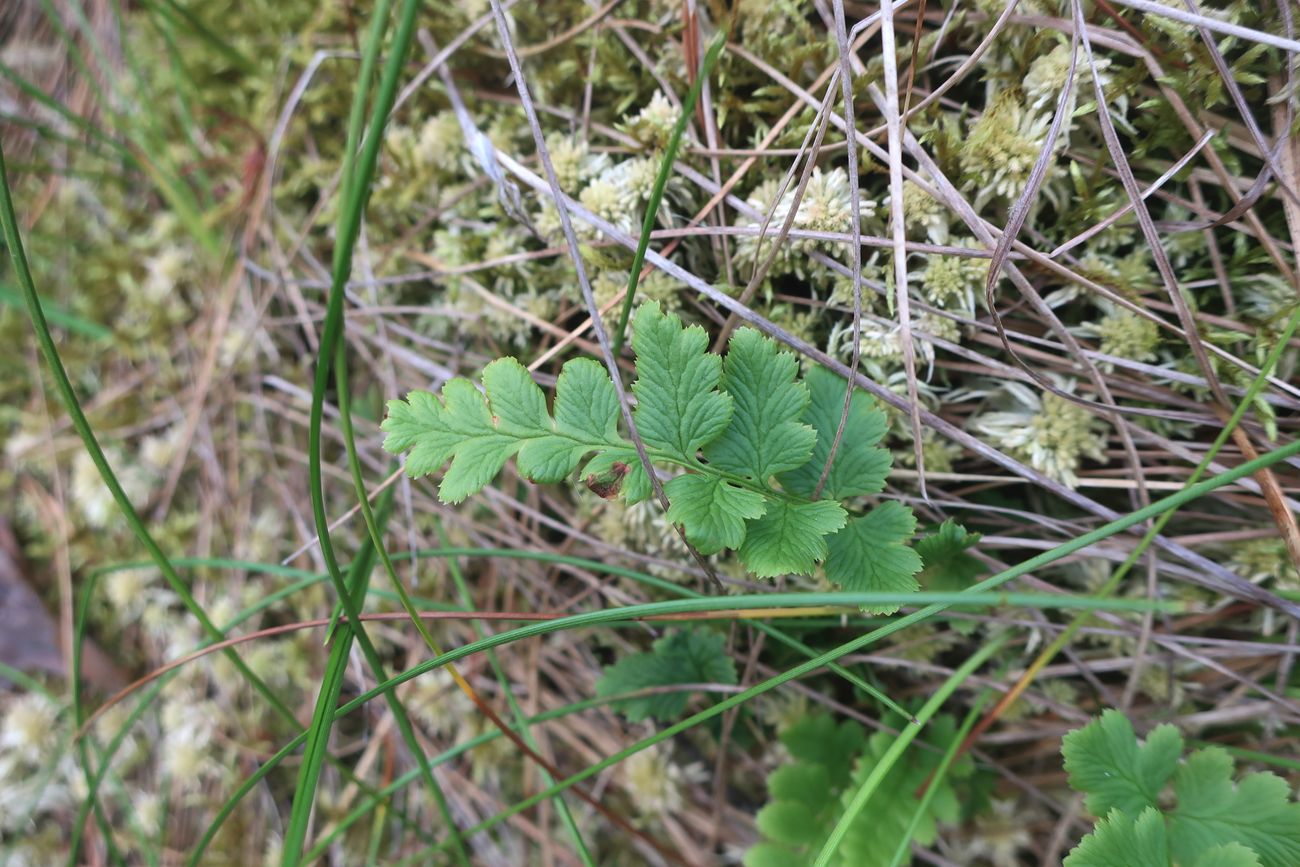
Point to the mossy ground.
(177, 191)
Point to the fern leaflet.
(1214, 822)
(750, 436)
(809, 793)
(682, 656)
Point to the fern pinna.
(1157, 807)
(751, 437)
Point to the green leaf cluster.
(828, 763)
(1159, 809)
(683, 656)
(948, 565)
(749, 435)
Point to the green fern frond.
(751, 436)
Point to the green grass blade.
(178, 14)
(355, 188)
(60, 317)
(50, 353)
(521, 721)
(899, 745)
(940, 772)
(661, 183)
(375, 536)
(46, 101)
(1112, 584)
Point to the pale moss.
(439, 142)
(940, 454)
(1047, 76)
(1127, 335)
(608, 199)
(573, 160)
(1062, 692)
(127, 591)
(187, 755)
(954, 282)
(1180, 34)
(1054, 433)
(826, 206)
(994, 8)
(999, 836)
(1001, 147)
(877, 340)
(660, 287)
(938, 326)
(655, 782)
(607, 285)
(1265, 560)
(1161, 686)
(92, 497)
(653, 124)
(921, 211)
(29, 729)
(783, 710)
(922, 643)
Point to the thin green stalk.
(1112, 584)
(9, 226)
(170, 8)
(356, 178)
(317, 734)
(363, 500)
(376, 836)
(25, 681)
(899, 746)
(89, 145)
(353, 593)
(661, 183)
(543, 557)
(182, 85)
(1034, 563)
(375, 538)
(57, 315)
(521, 720)
(58, 108)
(1292, 765)
(78, 709)
(334, 323)
(940, 772)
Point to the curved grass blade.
(900, 745)
(9, 227)
(356, 176)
